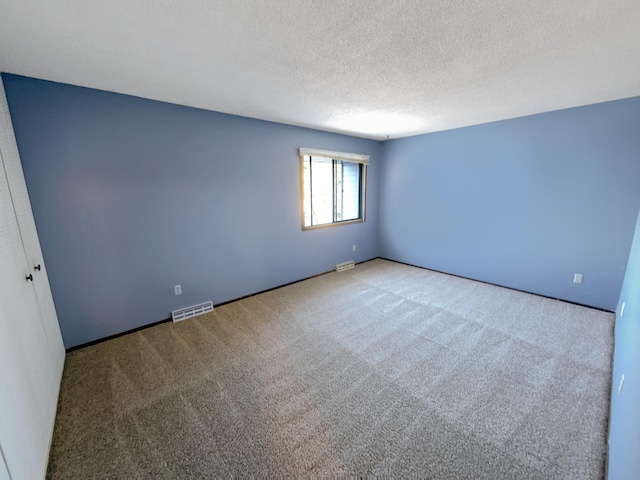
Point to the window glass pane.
(332, 190)
(321, 190)
(348, 197)
(337, 175)
(307, 190)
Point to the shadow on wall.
(624, 434)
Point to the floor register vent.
(193, 311)
(345, 266)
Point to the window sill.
(335, 224)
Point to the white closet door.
(29, 235)
(26, 370)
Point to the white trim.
(349, 157)
(193, 311)
(341, 267)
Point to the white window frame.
(344, 156)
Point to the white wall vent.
(345, 266)
(193, 311)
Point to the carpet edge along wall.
(413, 374)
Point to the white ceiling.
(367, 68)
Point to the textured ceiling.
(368, 68)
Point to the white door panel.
(29, 235)
(26, 370)
(31, 350)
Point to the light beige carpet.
(385, 369)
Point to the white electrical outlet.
(621, 383)
(622, 309)
(577, 278)
(177, 289)
(354, 247)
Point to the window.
(333, 187)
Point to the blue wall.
(624, 433)
(132, 196)
(523, 203)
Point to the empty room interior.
(319, 239)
